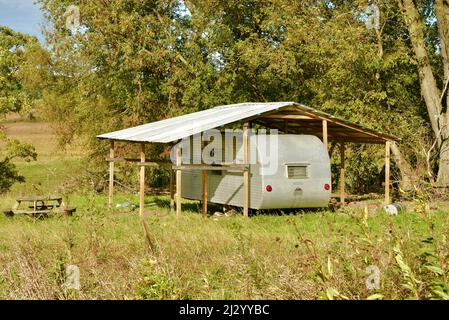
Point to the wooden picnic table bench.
(41, 206)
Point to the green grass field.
(307, 255)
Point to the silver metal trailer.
(301, 179)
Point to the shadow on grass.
(213, 208)
(190, 206)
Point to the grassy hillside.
(306, 255)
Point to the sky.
(23, 16)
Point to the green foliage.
(18, 93)
(141, 61)
(9, 175)
(8, 171)
(157, 285)
(21, 63)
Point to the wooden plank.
(287, 117)
(111, 174)
(234, 167)
(178, 183)
(153, 164)
(32, 211)
(205, 188)
(39, 198)
(172, 190)
(142, 181)
(342, 173)
(387, 172)
(325, 138)
(246, 160)
(335, 121)
(122, 159)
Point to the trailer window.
(298, 171)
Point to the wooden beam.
(111, 174)
(387, 172)
(287, 116)
(202, 167)
(153, 164)
(122, 159)
(342, 173)
(142, 181)
(172, 190)
(246, 160)
(205, 188)
(178, 183)
(325, 138)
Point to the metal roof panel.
(173, 129)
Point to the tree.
(434, 89)
(138, 61)
(320, 54)
(16, 95)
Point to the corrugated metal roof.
(173, 129)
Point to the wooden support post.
(142, 181)
(178, 183)
(342, 173)
(387, 172)
(172, 190)
(246, 173)
(205, 188)
(325, 138)
(111, 174)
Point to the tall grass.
(320, 255)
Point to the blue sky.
(22, 15)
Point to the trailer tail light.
(327, 186)
(269, 188)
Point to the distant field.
(39, 134)
(308, 255)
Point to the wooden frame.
(325, 136)
(178, 182)
(172, 190)
(111, 174)
(205, 190)
(291, 119)
(387, 172)
(342, 173)
(142, 181)
(246, 173)
(203, 167)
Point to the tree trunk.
(437, 111)
(404, 167)
(443, 172)
(442, 14)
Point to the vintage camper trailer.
(303, 175)
(294, 174)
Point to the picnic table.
(39, 206)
